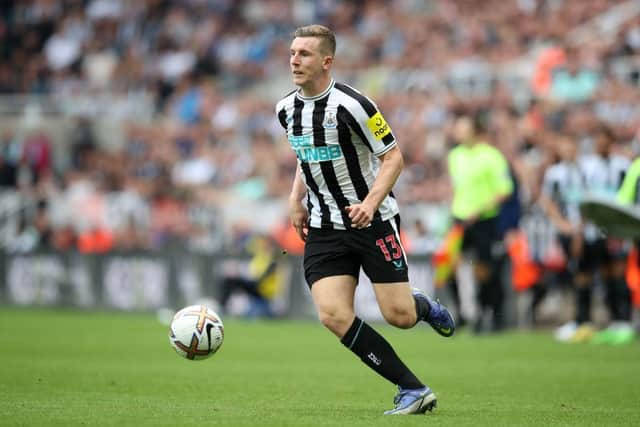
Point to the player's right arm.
(297, 211)
(551, 208)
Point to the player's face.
(603, 144)
(567, 149)
(462, 130)
(306, 60)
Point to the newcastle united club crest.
(330, 121)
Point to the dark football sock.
(583, 304)
(378, 354)
(619, 300)
(422, 309)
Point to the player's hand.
(577, 246)
(360, 215)
(299, 219)
(565, 227)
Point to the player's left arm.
(374, 131)
(391, 164)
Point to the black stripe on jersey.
(350, 154)
(555, 190)
(362, 100)
(297, 116)
(349, 150)
(353, 124)
(282, 117)
(328, 173)
(325, 212)
(388, 138)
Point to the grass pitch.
(64, 368)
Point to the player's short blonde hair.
(326, 36)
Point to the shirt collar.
(316, 97)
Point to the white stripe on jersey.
(564, 184)
(603, 176)
(337, 137)
(394, 225)
(568, 183)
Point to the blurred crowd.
(533, 70)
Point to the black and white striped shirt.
(568, 183)
(564, 184)
(337, 137)
(604, 175)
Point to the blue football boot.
(439, 317)
(416, 401)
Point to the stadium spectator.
(36, 152)
(35, 232)
(83, 143)
(8, 170)
(573, 82)
(263, 280)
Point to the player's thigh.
(394, 299)
(593, 257)
(333, 297)
(334, 293)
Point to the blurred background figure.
(591, 256)
(604, 171)
(261, 282)
(481, 182)
(563, 185)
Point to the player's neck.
(471, 142)
(316, 87)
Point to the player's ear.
(327, 62)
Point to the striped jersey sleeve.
(368, 121)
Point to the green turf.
(72, 368)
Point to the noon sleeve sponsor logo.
(378, 126)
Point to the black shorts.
(594, 255)
(482, 242)
(376, 249)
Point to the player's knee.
(582, 280)
(336, 321)
(400, 316)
